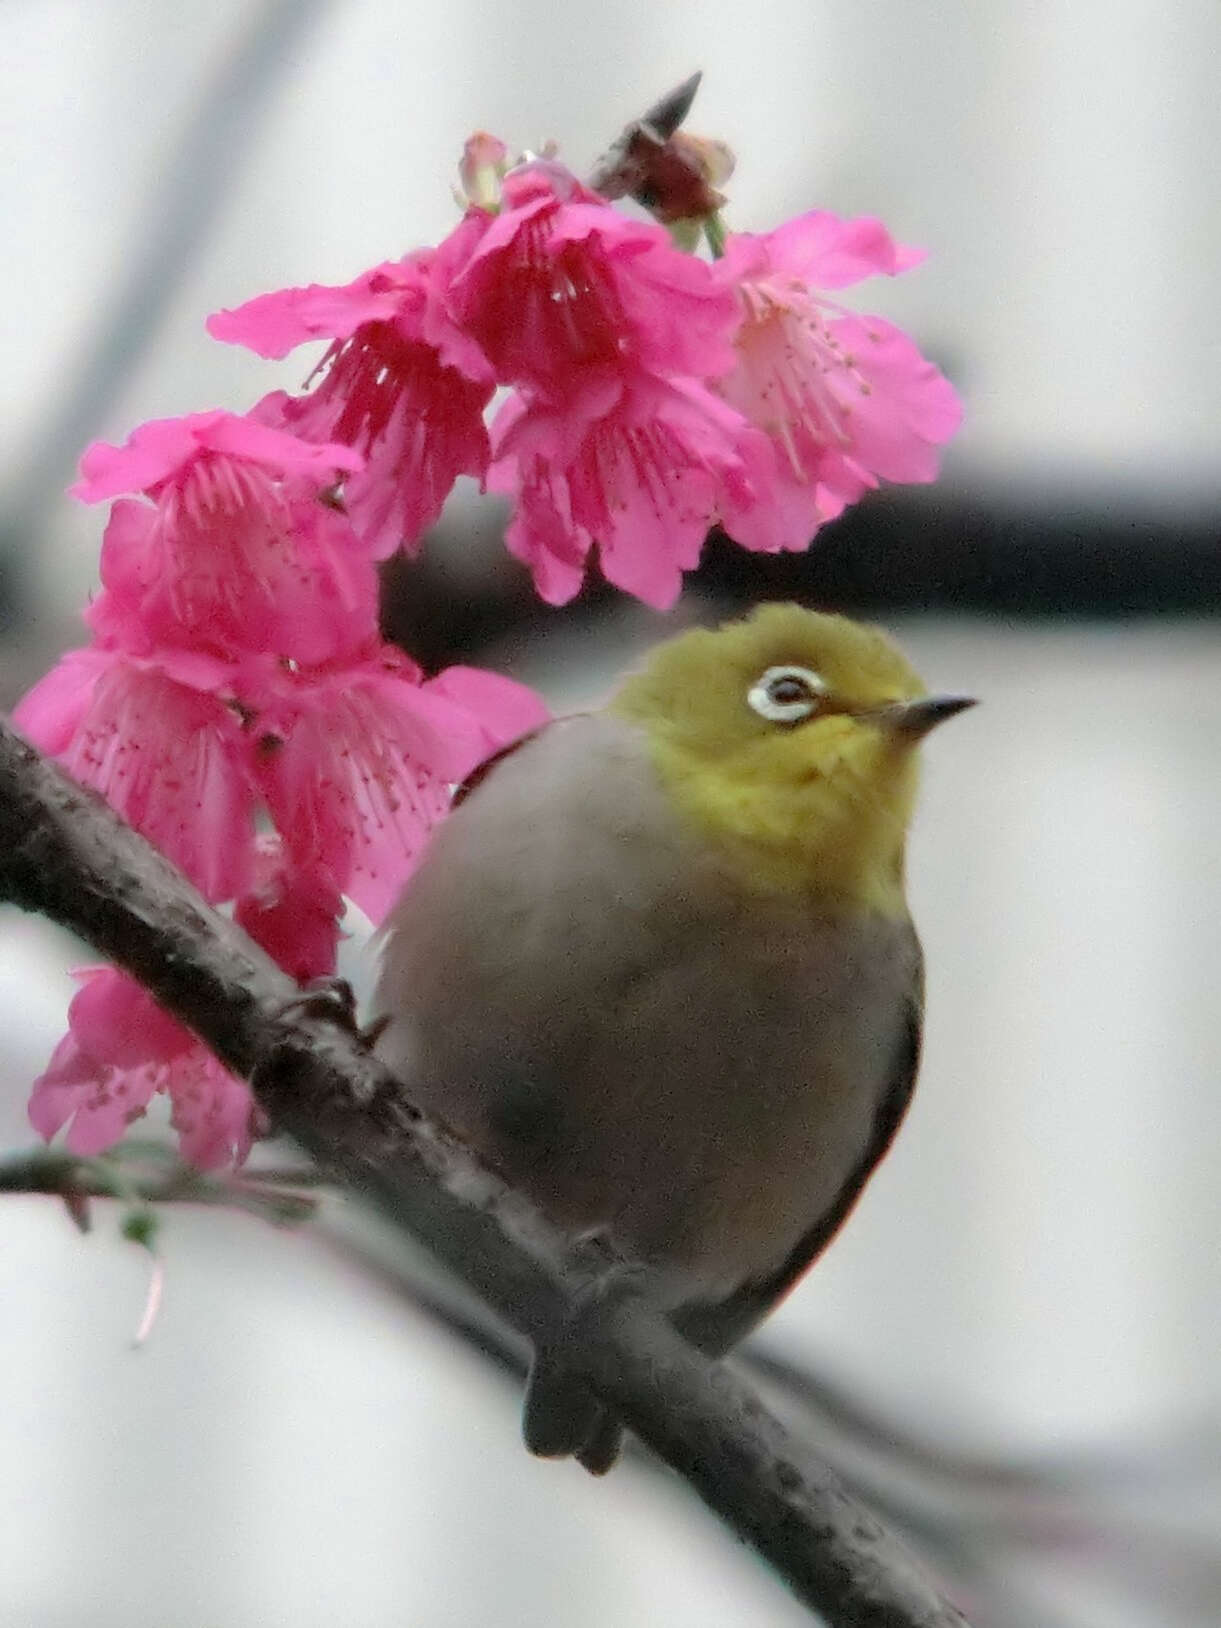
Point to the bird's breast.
(583, 994)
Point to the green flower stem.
(715, 235)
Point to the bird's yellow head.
(789, 739)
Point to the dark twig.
(63, 852)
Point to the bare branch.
(64, 853)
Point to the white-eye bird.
(657, 969)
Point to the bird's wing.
(481, 771)
(716, 1327)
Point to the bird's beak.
(913, 719)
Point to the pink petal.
(151, 452)
(431, 433)
(161, 448)
(129, 563)
(504, 708)
(50, 714)
(900, 409)
(350, 801)
(542, 535)
(114, 1019)
(785, 507)
(213, 1111)
(820, 249)
(169, 758)
(293, 913)
(273, 324)
(278, 451)
(643, 480)
(99, 1101)
(120, 1050)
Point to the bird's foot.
(561, 1416)
(331, 1000)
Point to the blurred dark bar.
(897, 552)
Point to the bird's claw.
(332, 1000)
(561, 1415)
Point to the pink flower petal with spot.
(162, 448)
(796, 503)
(359, 763)
(844, 400)
(401, 383)
(168, 757)
(640, 473)
(212, 1110)
(898, 409)
(96, 1102)
(234, 563)
(120, 1050)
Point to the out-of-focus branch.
(64, 853)
(195, 181)
(979, 1517)
(155, 1176)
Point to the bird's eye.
(785, 695)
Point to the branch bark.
(65, 854)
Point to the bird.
(656, 968)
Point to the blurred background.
(1026, 1302)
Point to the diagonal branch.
(65, 854)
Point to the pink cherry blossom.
(355, 763)
(400, 383)
(120, 1050)
(236, 551)
(560, 283)
(638, 466)
(845, 400)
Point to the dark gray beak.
(914, 719)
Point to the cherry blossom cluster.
(237, 703)
(652, 394)
(239, 707)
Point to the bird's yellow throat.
(824, 816)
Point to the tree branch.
(65, 854)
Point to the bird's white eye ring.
(785, 695)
